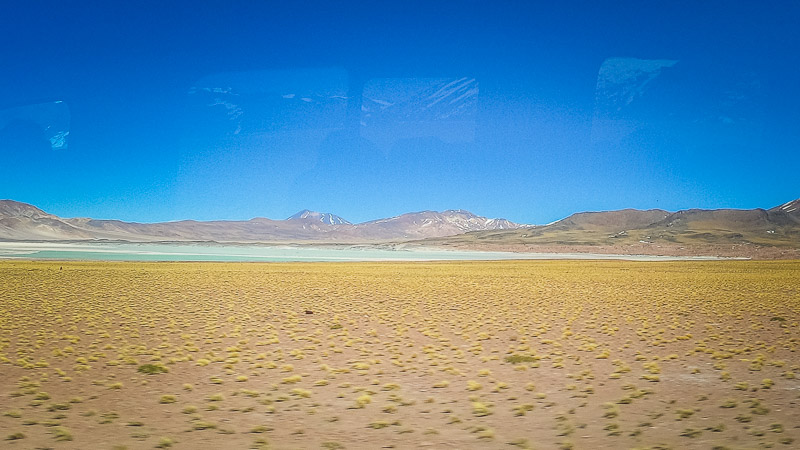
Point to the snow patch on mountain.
(326, 218)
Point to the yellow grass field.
(536, 354)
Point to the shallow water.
(249, 253)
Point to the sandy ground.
(533, 354)
(727, 251)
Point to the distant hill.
(613, 221)
(20, 221)
(777, 227)
(767, 227)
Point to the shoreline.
(738, 251)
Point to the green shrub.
(517, 359)
(152, 369)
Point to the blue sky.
(153, 111)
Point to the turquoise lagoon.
(106, 251)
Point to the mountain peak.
(11, 208)
(326, 218)
(788, 207)
(462, 212)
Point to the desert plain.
(505, 354)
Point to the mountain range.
(722, 231)
(21, 221)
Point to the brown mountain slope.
(21, 221)
(611, 221)
(767, 227)
(10, 208)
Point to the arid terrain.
(513, 354)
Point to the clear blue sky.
(526, 110)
